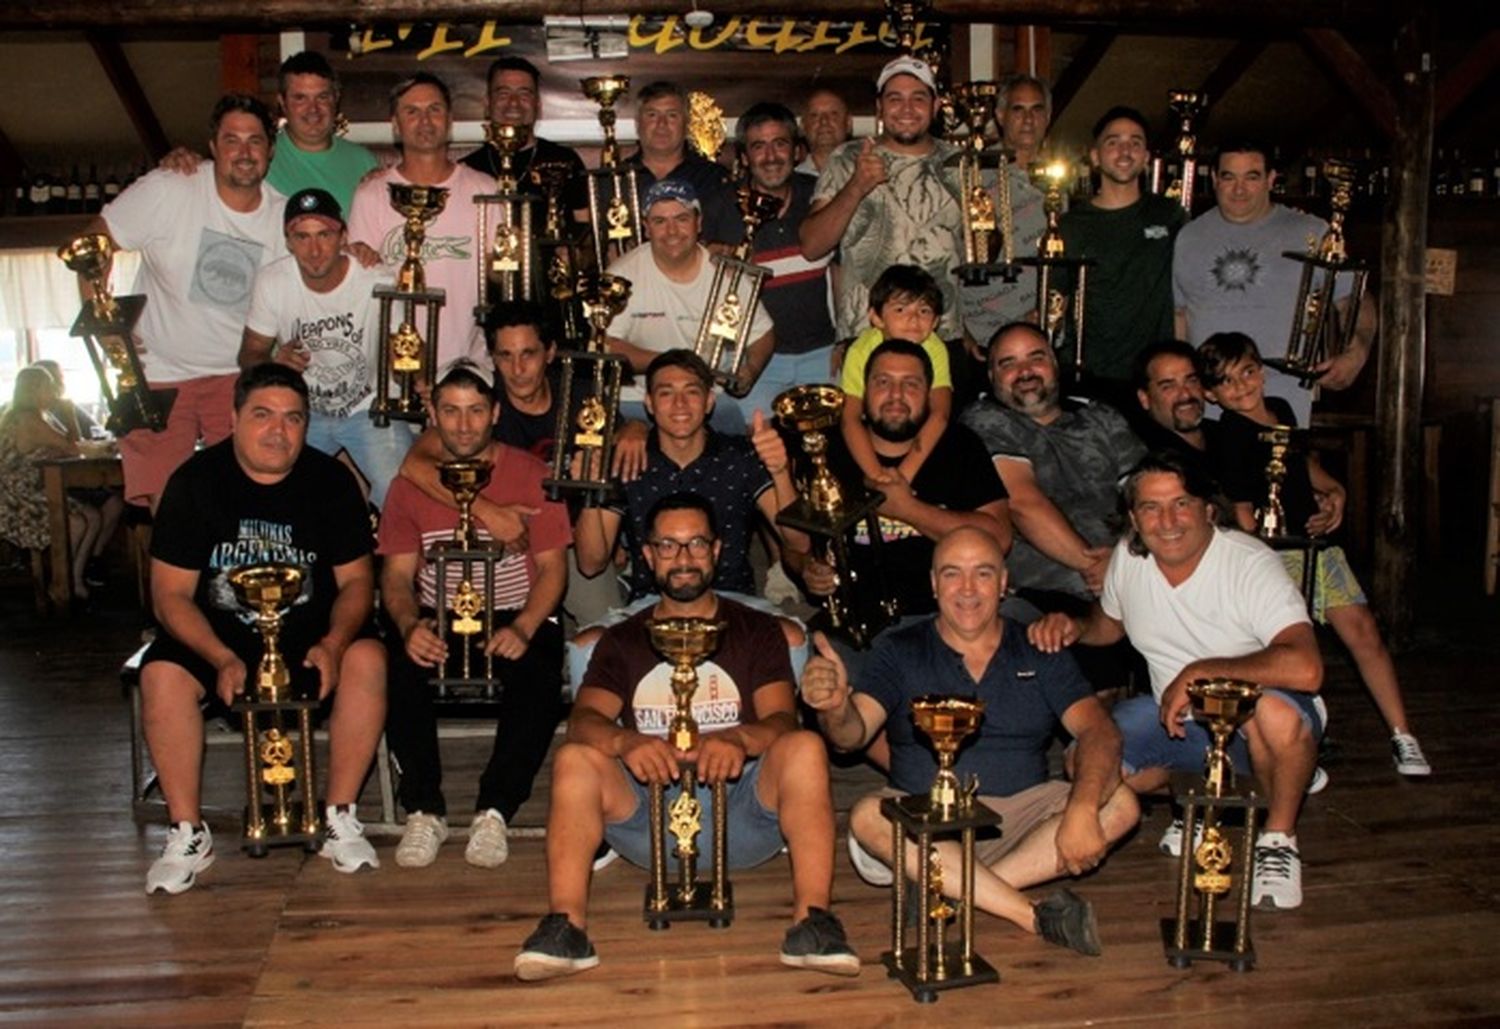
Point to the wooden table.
(58, 476)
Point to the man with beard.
(1060, 461)
(313, 311)
(890, 200)
(1128, 234)
(203, 238)
(826, 126)
(956, 486)
(527, 639)
(422, 120)
(798, 294)
(777, 775)
(1171, 396)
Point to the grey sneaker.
(869, 867)
(487, 847)
(1067, 920)
(1408, 756)
(420, 842)
(188, 851)
(818, 943)
(557, 947)
(344, 842)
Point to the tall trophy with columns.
(408, 354)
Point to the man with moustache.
(778, 791)
(661, 125)
(203, 239)
(890, 201)
(1060, 460)
(528, 639)
(826, 126)
(1172, 405)
(798, 294)
(1128, 234)
(422, 120)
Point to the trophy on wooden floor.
(832, 514)
(686, 643)
(277, 760)
(724, 331)
(508, 266)
(105, 324)
(1186, 105)
(588, 400)
(407, 356)
(465, 609)
(1059, 314)
(1323, 326)
(614, 193)
(1207, 868)
(988, 227)
(949, 808)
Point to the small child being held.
(1231, 369)
(905, 303)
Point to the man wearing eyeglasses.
(777, 775)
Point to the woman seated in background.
(28, 433)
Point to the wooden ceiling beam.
(128, 88)
(1356, 15)
(1467, 76)
(1230, 70)
(1085, 60)
(1344, 63)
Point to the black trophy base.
(131, 411)
(982, 274)
(395, 411)
(976, 972)
(276, 835)
(1222, 950)
(699, 909)
(1307, 375)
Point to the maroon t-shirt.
(752, 653)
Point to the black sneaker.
(557, 947)
(1067, 920)
(818, 942)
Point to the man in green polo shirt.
(308, 153)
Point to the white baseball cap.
(906, 65)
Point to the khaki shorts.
(1021, 813)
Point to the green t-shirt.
(1129, 299)
(337, 169)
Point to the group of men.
(1000, 549)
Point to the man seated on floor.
(527, 638)
(1201, 601)
(1052, 827)
(260, 496)
(777, 774)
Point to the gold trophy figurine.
(686, 643)
(1270, 520)
(271, 751)
(831, 513)
(1059, 313)
(105, 324)
(614, 193)
(934, 964)
(506, 226)
(588, 401)
(405, 352)
(465, 613)
(1206, 869)
(723, 335)
(988, 229)
(1323, 322)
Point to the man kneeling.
(1050, 827)
(777, 775)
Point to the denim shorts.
(754, 834)
(1147, 744)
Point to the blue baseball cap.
(671, 189)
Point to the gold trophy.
(1186, 105)
(105, 324)
(1320, 329)
(686, 643)
(558, 251)
(1206, 868)
(861, 604)
(614, 193)
(1059, 313)
(588, 400)
(988, 228)
(270, 590)
(1270, 520)
(934, 964)
(405, 353)
(724, 331)
(464, 614)
(508, 269)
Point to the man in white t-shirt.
(671, 283)
(203, 238)
(313, 310)
(1202, 602)
(422, 120)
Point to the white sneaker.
(188, 851)
(344, 841)
(1171, 840)
(420, 842)
(870, 868)
(1319, 781)
(1407, 753)
(1278, 872)
(488, 847)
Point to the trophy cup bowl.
(419, 205)
(1187, 104)
(977, 101)
(465, 478)
(1225, 704)
(685, 642)
(604, 296)
(947, 721)
(89, 256)
(813, 410)
(604, 90)
(269, 590)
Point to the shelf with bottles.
(70, 191)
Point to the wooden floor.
(1398, 928)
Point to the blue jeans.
(376, 452)
(1147, 744)
(753, 836)
(781, 373)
